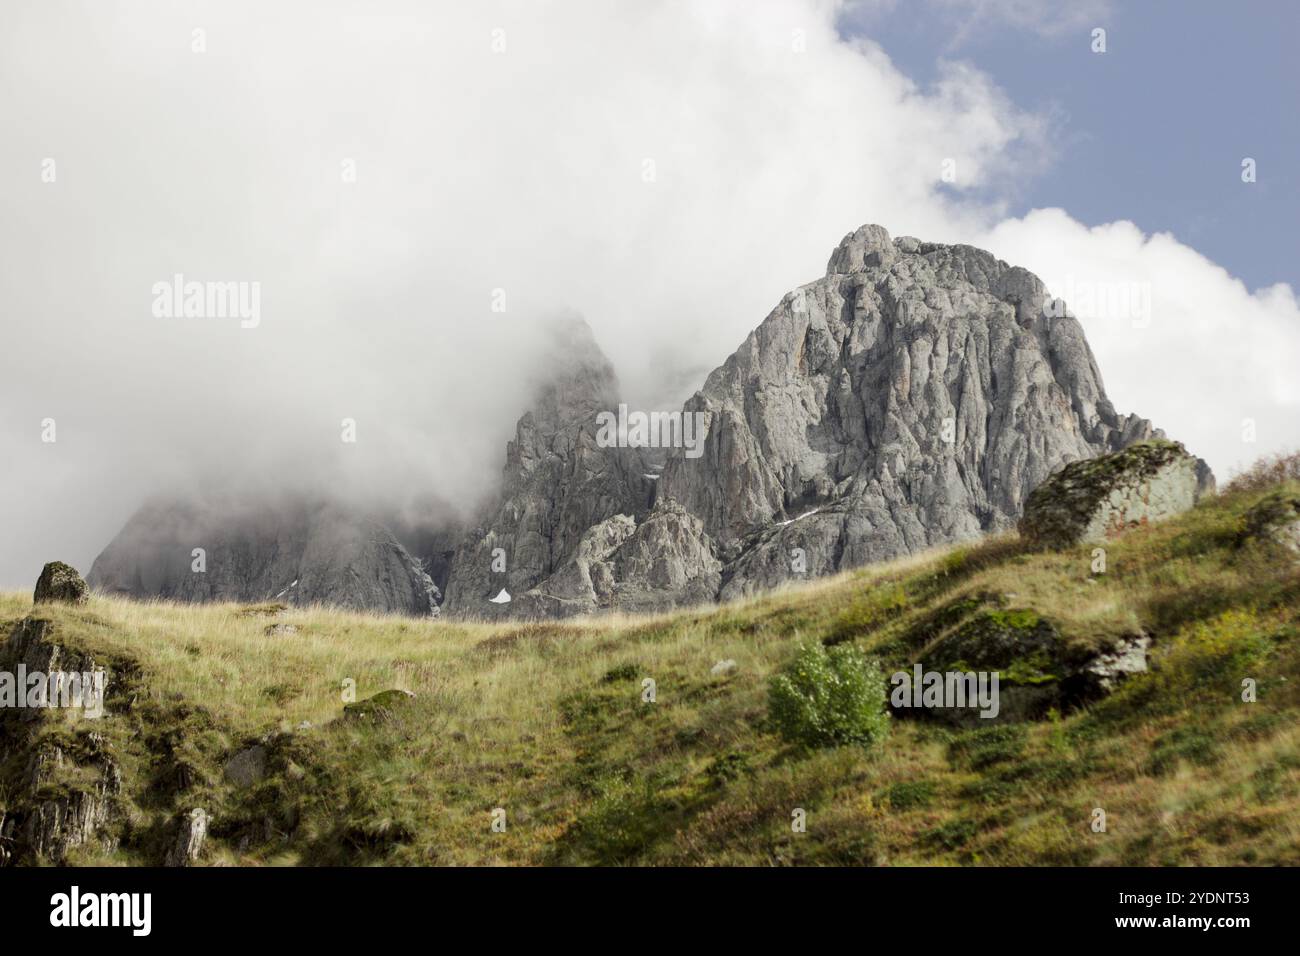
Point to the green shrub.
(954, 834)
(727, 767)
(829, 697)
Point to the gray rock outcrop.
(60, 583)
(1275, 518)
(1037, 669)
(246, 767)
(1102, 497)
(61, 793)
(191, 833)
(666, 561)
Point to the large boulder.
(1038, 671)
(191, 832)
(60, 582)
(246, 767)
(381, 708)
(1101, 497)
(1275, 518)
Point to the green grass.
(547, 721)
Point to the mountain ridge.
(912, 396)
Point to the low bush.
(829, 697)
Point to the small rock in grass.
(191, 833)
(246, 767)
(379, 707)
(60, 582)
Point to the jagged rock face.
(913, 396)
(1097, 499)
(296, 552)
(558, 483)
(191, 832)
(669, 561)
(666, 561)
(44, 818)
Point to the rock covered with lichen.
(1038, 670)
(1098, 498)
(1275, 518)
(60, 582)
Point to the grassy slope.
(546, 721)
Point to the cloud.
(668, 170)
(387, 171)
(1178, 339)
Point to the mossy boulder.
(1098, 498)
(1021, 647)
(60, 582)
(1275, 518)
(381, 707)
(1038, 671)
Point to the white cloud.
(475, 170)
(771, 137)
(1210, 354)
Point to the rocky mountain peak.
(912, 396)
(866, 247)
(573, 381)
(558, 481)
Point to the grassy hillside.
(547, 722)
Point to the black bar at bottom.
(728, 905)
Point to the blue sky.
(1153, 130)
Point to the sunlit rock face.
(913, 396)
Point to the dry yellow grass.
(546, 721)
